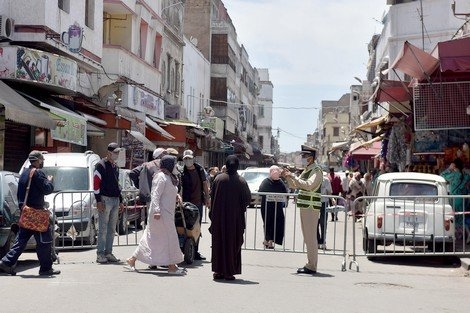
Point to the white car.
(409, 211)
(254, 176)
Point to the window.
(158, 51)
(90, 13)
(177, 79)
(336, 131)
(143, 39)
(163, 75)
(261, 111)
(64, 5)
(68, 178)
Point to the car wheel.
(122, 224)
(189, 250)
(8, 243)
(369, 245)
(91, 239)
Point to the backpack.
(145, 182)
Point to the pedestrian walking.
(326, 189)
(195, 188)
(108, 202)
(159, 244)
(336, 187)
(33, 183)
(142, 177)
(309, 202)
(230, 197)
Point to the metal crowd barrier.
(76, 219)
(409, 226)
(336, 231)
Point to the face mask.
(189, 162)
(304, 162)
(114, 156)
(175, 171)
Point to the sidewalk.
(268, 283)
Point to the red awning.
(414, 62)
(392, 90)
(454, 55)
(367, 152)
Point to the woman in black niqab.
(232, 164)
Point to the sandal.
(130, 265)
(178, 272)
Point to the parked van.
(72, 201)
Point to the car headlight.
(79, 209)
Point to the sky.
(313, 50)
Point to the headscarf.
(166, 165)
(232, 164)
(275, 172)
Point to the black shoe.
(7, 269)
(199, 257)
(50, 272)
(304, 270)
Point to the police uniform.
(309, 202)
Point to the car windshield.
(254, 179)
(414, 189)
(68, 178)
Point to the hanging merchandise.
(384, 147)
(396, 153)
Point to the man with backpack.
(142, 176)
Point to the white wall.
(196, 75)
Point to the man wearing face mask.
(309, 202)
(108, 202)
(40, 186)
(195, 187)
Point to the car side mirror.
(46, 205)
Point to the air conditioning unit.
(7, 26)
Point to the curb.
(465, 263)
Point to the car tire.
(8, 244)
(91, 239)
(369, 245)
(122, 224)
(189, 250)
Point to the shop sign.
(140, 100)
(73, 131)
(214, 123)
(39, 66)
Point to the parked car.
(409, 210)
(135, 211)
(9, 211)
(254, 176)
(73, 200)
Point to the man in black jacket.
(40, 186)
(195, 187)
(108, 202)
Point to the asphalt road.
(269, 283)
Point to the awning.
(373, 123)
(367, 152)
(94, 131)
(392, 90)
(20, 110)
(155, 126)
(414, 62)
(148, 145)
(339, 145)
(454, 55)
(94, 119)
